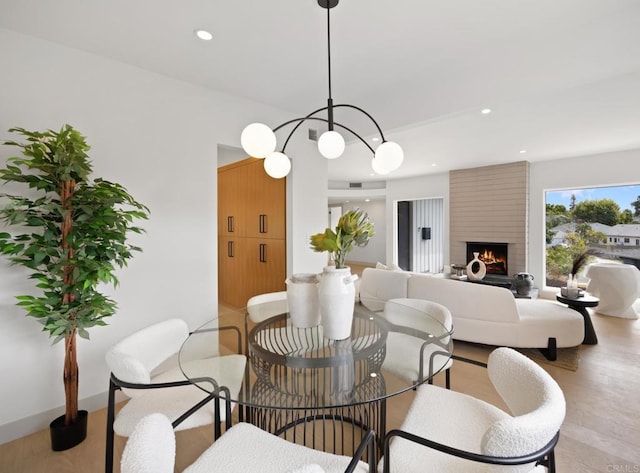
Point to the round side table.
(580, 305)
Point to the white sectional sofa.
(481, 313)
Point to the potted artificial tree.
(336, 291)
(71, 236)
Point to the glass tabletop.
(393, 347)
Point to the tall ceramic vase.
(480, 273)
(337, 296)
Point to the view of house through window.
(600, 224)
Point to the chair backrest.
(134, 358)
(151, 447)
(535, 400)
(263, 306)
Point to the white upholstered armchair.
(144, 366)
(446, 431)
(242, 449)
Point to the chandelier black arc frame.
(258, 140)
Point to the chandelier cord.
(330, 99)
(329, 48)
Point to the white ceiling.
(561, 76)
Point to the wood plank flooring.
(601, 433)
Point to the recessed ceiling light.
(522, 151)
(485, 111)
(433, 164)
(375, 138)
(203, 35)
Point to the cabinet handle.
(263, 223)
(230, 249)
(230, 224)
(263, 252)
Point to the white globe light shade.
(389, 156)
(331, 144)
(375, 164)
(277, 165)
(258, 140)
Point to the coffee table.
(580, 304)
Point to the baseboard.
(29, 425)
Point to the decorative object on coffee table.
(479, 273)
(524, 283)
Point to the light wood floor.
(601, 433)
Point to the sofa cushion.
(380, 285)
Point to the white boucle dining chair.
(144, 366)
(243, 448)
(262, 306)
(453, 432)
(412, 357)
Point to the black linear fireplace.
(493, 255)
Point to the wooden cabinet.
(251, 232)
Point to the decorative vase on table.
(302, 298)
(336, 291)
(480, 273)
(337, 297)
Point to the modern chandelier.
(259, 141)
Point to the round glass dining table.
(314, 390)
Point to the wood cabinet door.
(232, 264)
(232, 200)
(266, 206)
(268, 261)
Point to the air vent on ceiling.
(313, 134)
(355, 185)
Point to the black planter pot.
(64, 437)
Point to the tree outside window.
(596, 224)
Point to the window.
(600, 221)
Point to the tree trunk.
(70, 378)
(70, 373)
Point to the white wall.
(376, 248)
(307, 214)
(158, 137)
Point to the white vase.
(337, 296)
(482, 268)
(302, 299)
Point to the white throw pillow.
(390, 267)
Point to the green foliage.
(590, 236)
(636, 205)
(556, 209)
(102, 215)
(626, 216)
(354, 229)
(604, 211)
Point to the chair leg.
(447, 375)
(108, 461)
(551, 467)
